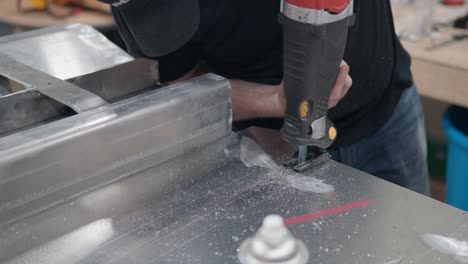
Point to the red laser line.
(326, 212)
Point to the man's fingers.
(339, 83)
(348, 84)
(340, 88)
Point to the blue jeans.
(397, 152)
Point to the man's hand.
(254, 100)
(342, 84)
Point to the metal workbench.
(199, 207)
(155, 175)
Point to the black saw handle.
(312, 55)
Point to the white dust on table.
(448, 246)
(308, 183)
(395, 261)
(317, 226)
(252, 155)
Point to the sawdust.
(252, 155)
(448, 246)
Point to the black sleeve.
(171, 66)
(130, 42)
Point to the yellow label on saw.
(332, 133)
(304, 109)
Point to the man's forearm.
(249, 100)
(253, 100)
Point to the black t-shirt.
(242, 39)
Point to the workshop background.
(437, 48)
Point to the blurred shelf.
(440, 73)
(37, 19)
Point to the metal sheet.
(199, 207)
(64, 51)
(39, 60)
(27, 108)
(61, 91)
(113, 84)
(46, 165)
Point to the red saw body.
(335, 6)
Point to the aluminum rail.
(49, 164)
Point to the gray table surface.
(198, 208)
